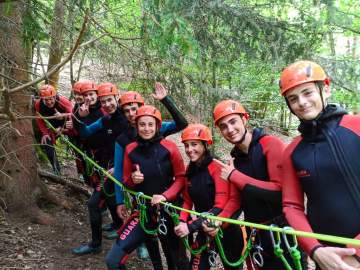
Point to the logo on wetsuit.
(129, 228)
(302, 173)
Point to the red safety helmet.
(301, 72)
(47, 90)
(88, 86)
(148, 110)
(76, 88)
(107, 89)
(131, 97)
(197, 132)
(227, 107)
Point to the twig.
(58, 66)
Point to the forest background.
(202, 51)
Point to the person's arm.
(187, 204)
(128, 167)
(178, 169)
(293, 201)
(179, 123)
(118, 173)
(39, 121)
(269, 190)
(86, 131)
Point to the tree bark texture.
(56, 45)
(19, 182)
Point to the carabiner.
(162, 226)
(212, 258)
(287, 244)
(139, 199)
(257, 256)
(169, 209)
(278, 240)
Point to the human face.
(194, 149)
(130, 110)
(232, 128)
(79, 99)
(305, 100)
(90, 97)
(49, 101)
(109, 103)
(146, 127)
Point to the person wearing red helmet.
(76, 92)
(322, 163)
(205, 191)
(58, 109)
(130, 102)
(98, 129)
(151, 165)
(255, 170)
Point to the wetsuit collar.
(257, 134)
(312, 127)
(204, 163)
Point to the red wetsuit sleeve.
(178, 169)
(187, 204)
(39, 121)
(65, 104)
(273, 149)
(222, 187)
(233, 204)
(128, 166)
(293, 200)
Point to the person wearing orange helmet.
(99, 128)
(151, 165)
(205, 191)
(323, 164)
(58, 109)
(76, 92)
(255, 170)
(130, 102)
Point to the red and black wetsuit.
(258, 181)
(206, 191)
(324, 164)
(62, 105)
(161, 163)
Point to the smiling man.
(255, 171)
(323, 164)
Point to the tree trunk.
(20, 185)
(56, 46)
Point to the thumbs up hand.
(137, 175)
(226, 169)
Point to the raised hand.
(226, 169)
(160, 91)
(137, 175)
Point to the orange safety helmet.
(148, 110)
(107, 89)
(131, 97)
(301, 72)
(47, 90)
(88, 86)
(76, 88)
(197, 132)
(227, 107)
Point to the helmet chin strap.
(243, 136)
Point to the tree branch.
(58, 66)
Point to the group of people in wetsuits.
(312, 184)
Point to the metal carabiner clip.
(139, 199)
(162, 226)
(212, 258)
(286, 241)
(257, 256)
(168, 209)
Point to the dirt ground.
(24, 245)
